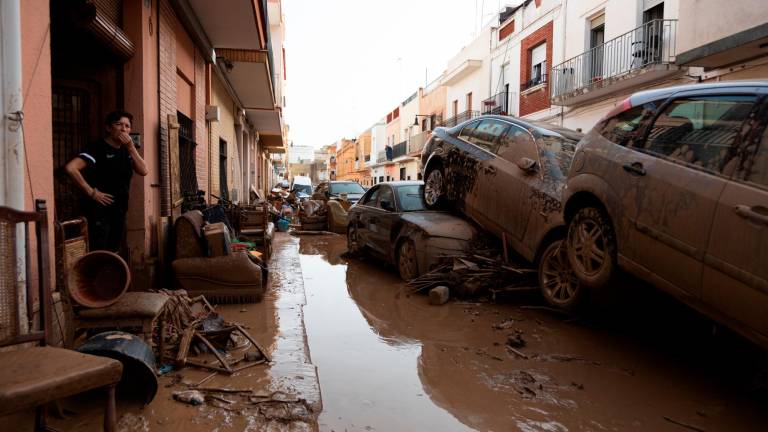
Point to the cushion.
(233, 275)
(142, 305)
(33, 376)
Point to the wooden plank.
(174, 164)
(186, 340)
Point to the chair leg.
(110, 413)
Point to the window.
(381, 179)
(411, 198)
(556, 156)
(755, 166)
(469, 101)
(624, 127)
(596, 40)
(538, 65)
(187, 145)
(455, 107)
(486, 134)
(370, 199)
(223, 191)
(701, 131)
(467, 130)
(402, 173)
(385, 196)
(516, 143)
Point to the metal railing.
(453, 121)
(651, 43)
(400, 149)
(533, 82)
(497, 104)
(381, 156)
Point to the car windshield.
(350, 188)
(556, 156)
(411, 198)
(307, 189)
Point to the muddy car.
(672, 186)
(392, 222)
(337, 189)
(508, 175)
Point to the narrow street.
(389, 361)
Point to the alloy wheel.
(433, 187)
(589, 246)
(406, 261)
(559, 284)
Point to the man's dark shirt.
(109, 170)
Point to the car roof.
(541, 127)
(644, 96)
(402, 183)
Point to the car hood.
(438, 224)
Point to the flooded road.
(389, 361)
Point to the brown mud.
(389, 361)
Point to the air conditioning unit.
(212, 113)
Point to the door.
(380, 221)
(482, 199)
(736, 263)
(682, 173)
(367, 208)
(509, 204)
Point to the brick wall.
(201, 136)
(538, 98)
(507, 30)
(167, 35)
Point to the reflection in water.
(367, 382)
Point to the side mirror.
(528, 165)
(387, 205)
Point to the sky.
(350, 62)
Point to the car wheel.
(592, 247)
(559, 286)
(406, 260)
(353, 242)
(434, 189)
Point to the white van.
(301, 185)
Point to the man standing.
(103, 172)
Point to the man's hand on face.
(125, 140)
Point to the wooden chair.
(32, 373)
(141, 311)
(255, 225)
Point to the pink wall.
(36, 88)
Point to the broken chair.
(138, 311)
(32, 376)
(255, 225)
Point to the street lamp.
(416, 118)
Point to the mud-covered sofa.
(232, 278)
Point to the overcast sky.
(349, 62)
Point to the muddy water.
(389, 361)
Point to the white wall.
(476, 82)
(716, 19)
(378, 140)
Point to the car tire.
(591, 248)
(557, 282)
(434, 189)
(353, 241)
(407, 264)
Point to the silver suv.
(672, 186)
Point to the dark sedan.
(392, 222)
(508, 174)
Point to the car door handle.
(635, 168)
(490, 170)
(757, 214)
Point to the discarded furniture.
(95, 288)
(255, 225)
(222, 279)
(136, 356)
(337, 217)
(31, 376)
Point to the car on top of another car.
(508, 175)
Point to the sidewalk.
(277, 323)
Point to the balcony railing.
(381, 156)
(453, 121)
(497, 104)
(533, 82)
(650, 44)
(416, 143)
(400, 149)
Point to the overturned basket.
(98, 279)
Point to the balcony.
(416, 143)
(453, 121)
(400, 149)
(497, 104)
(640, 56)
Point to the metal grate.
(9, 313)
(187, 166)
(70, 108)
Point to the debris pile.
(476, 274)
(313, 215)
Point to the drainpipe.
(11, 138)
(11, 143)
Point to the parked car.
(508, 175)
(672, 186)
(334, 190)
(392, 222)
(302, 187)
